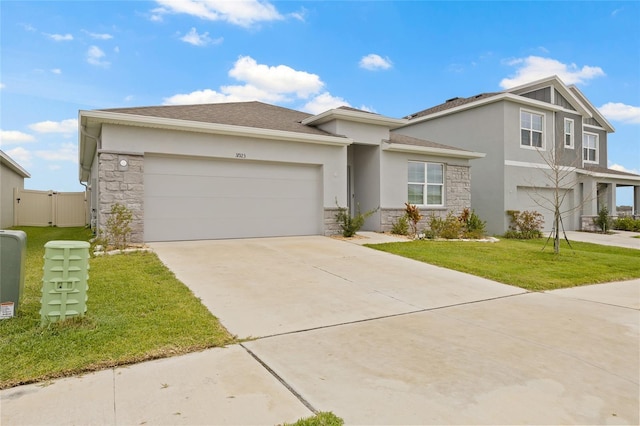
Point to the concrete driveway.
(379, 339)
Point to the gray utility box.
(13, 251)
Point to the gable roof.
(597, 115)
(12, 165)
(571, 94)
(247, 114)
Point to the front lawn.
(523, 263)
(136, 310)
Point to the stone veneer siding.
(331, 225)
(124, 187)
(458, 197)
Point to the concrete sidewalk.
(373, 337)
(221, 386)
(616, 238)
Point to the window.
(426, 183)
(531, 129)
(590, 148)
(568, 133)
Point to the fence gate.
(49, 208)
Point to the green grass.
(523, 263)
(320, 419)
(136, 310)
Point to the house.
(11, 177)
(529, 133)
(249, 169)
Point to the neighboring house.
(11, 176)
(250, 169)
(521, 129)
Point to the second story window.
(568, 133)
(531, 129)
(590, 148)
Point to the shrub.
(401, 226)
(117, 231)
(525, 225)
(436, 225)
(473, 227)
(413, 215)
(351, 224)
(603, 220)
(627, 223)
(452, 227)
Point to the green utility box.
(64, 286)
(13, 250)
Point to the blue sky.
(394, 58)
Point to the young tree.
(561, 179)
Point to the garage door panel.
(540, 200)
(207, 199)
(200, 186)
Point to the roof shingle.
(451, 103)
(248, 114)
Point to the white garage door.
(196, 199)
(532, 198)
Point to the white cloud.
(95, 55)
(2, 86)
(324, 102)
(279, 79)
(20, 156)
(617, 111)
(28, 27)
(66, 152)
(128, 98)
(622, 168)
(56, 71)
(244, 13)
(99, 36)
(116, 49)
(375, 62)
(199, 39)
(206, 96)
(535, 68)
(10, 137)
(262, 82)
(59, 37)
(68, 126)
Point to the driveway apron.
(269, 286)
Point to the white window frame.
(570, 134)
(426, 184)
(531, 130)
(596, 138)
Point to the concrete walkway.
(616, 238)
(374, 338)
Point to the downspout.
(84, 132)
(93, 214)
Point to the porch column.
(611, 199)
(636, 200)
(590, 194)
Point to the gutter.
(104, 117)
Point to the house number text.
(241, 155)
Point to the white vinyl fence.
(49, 208)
